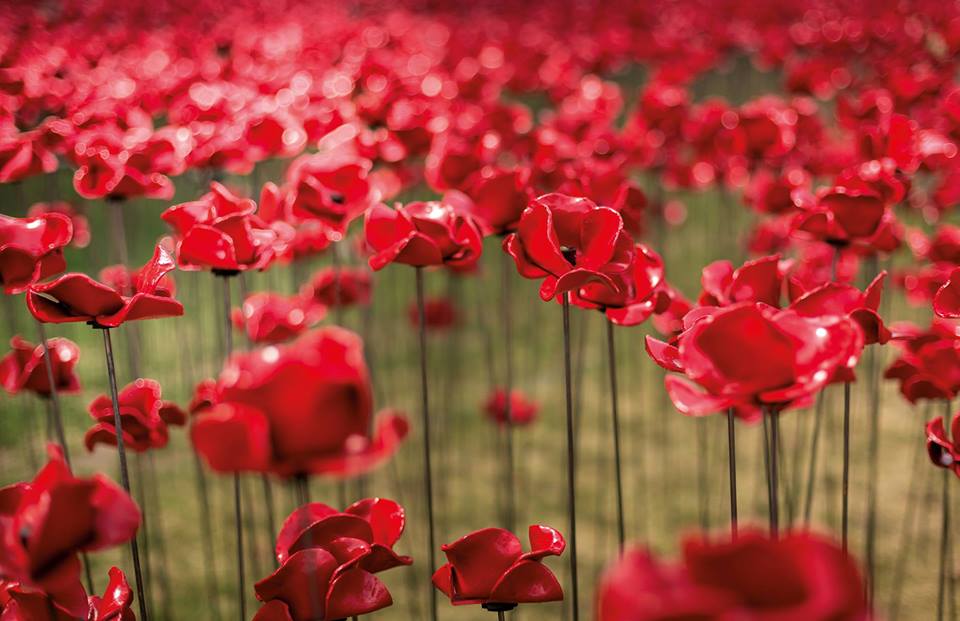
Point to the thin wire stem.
(615, 420)
(124, 473)
(571, 461)
(845, 509)
(732, 460)
(425, 412)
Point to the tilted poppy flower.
(24, 155)
(77, 297)
(331, 187)
(842, 299)
(274, 318)
(499, 196)
(44, 524)
(438, 314)
(943, 452)
(81, 226)
(750, 356)
(222, 232)
(799, 576)
(27, 604)
(946, 303)
(304, 407)
(143, 414)
(758, 280)
(328, 560)
(570, 243)
(523, 410)
(422, 234)
(840, 216)
(31, 249)
(640, 292)
(344, 287)
(24, 368)
(102, 174)
(929, 365)
(489, 567)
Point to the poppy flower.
(422, 234)
(24, 155)
(499, 196)
(758, 280)
(929, 364)
(274, 318)
(489, 567)
(45, 523)
(305, 407)
(26, 604)
(438, 314)
(570, 243)
(223, 233)
(102, 174)
(799, 576)
(523, 410)
(332, 187)
(750, 356)
(143, 414)
(841, 216)
(328, 560)
(31, 249)
(639, 293)
(81, 226)
(24, 367)
(346, 287)
(943, 452)
(843, 299)
(77, 297)
(946, 303)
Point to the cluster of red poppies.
(517, 121)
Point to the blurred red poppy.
(328, 560)
(143, 414)
(77, 297)
(946, 302)
(294, 409)
(346, 287)
(438, 314)
(24, 367)
(331, 187)
(570, 243)
(843, 299)
(489, 567)
(800, 576)
(81, 226)
(20, 603)
(422, 234)
(44, 524)
(31, 249)
(944, 452)
(929, 364)
(758, 280)
(842, 216)
(273, 318)
(523, 410)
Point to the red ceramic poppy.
(274, 318)
(944, 452)
(498, 197)
(758, 280)
(328, 560)
(24, 155)
(438, 314)
(843, 299)
(639, 293)
(929, 365)
(76, 297)
(842, 216)
(799, 576)
(143, 414)
(31, 249)
(750, 356)
(44, 524)
(946, 303)
(571, 243)
(422, 234)
(489, 567)
(24, 367)
(346, 287)
(102, 174)
(81, 226)
(222, 232)
(331, 187)
(300, 408)
(523, 410)
(20, 603)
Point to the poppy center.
(570, 254)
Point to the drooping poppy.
(143, 415)
(24, 368)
